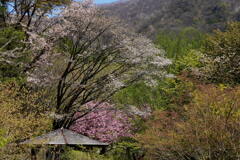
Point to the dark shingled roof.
(64, 136)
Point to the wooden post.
(103, 150)
(33, 154)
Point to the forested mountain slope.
(149, 16)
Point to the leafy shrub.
(22, 116)
(169, 93)
(207, 129)
(3, 140)
(156, 138)
(223, 55)
(9, 34)
(137, 94)
(126, 149)
(80, 155)
(179, 44)
(11, 39)
(187, 63)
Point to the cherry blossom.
(105, 123)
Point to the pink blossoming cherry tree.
(104, 123)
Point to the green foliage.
(9, 34)
(71, 154)
(223, 55)
(207, 129)
(137, 94)
(22, 115)
(187, 62)
(179, 44)
(167, 94)
(127, 149)
(11, 39)
(183, 48)
(174, 92)
(3, 141)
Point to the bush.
(157, 138)
(179, 44)
(22, 116)
(3, 141)
(11, 39)
(126, 149)
(9, 34)
(223, 55)
(80, 155)
(209, 128)
(187, 63)
(169, 93)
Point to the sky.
(104, 1)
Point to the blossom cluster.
(105, 122)
(83, 23)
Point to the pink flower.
(104, 123)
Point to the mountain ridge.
(150, 16)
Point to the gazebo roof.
(64, 136)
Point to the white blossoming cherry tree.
(22, 25)
(100, 56)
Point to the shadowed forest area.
(131, 80)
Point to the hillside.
(150, 16)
